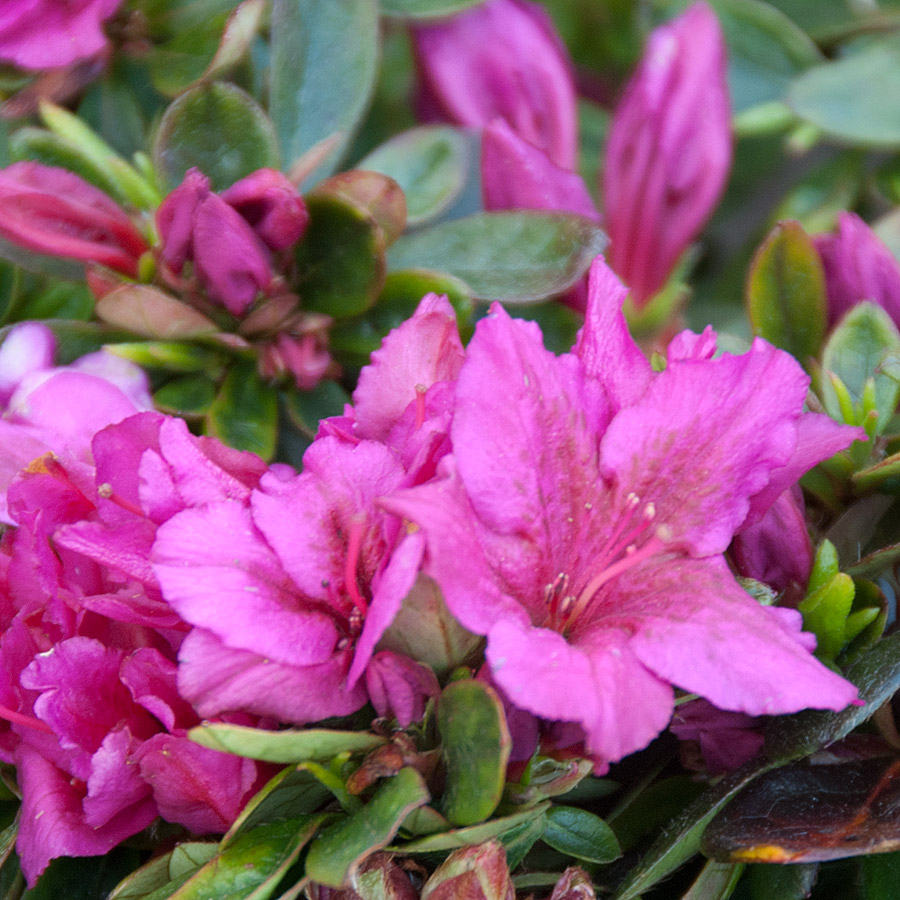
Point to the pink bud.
(726, 739)
(268, 200)
(472, 873)
(669, 151)
(504, 60)
(777, 550)
(52, 211)
(399, 686)
(303, 357)
(574, 884)
(230, 261)
(47, 34)
(858, 267)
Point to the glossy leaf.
(340, 261)
(179, 863)
(839, 99)
(515, 256)
(283, 746)
(425, 9)
(151, 313)
(786, 291)
(430, 164)
(250, 867)
(338, 850)
(189, 396)
(505, 829)
(806, 813)
(244, 414)
(202, 121)
(579, 833)
(825, 612)
(475, 745)
(324, 63)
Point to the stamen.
(421, 390)
(354, 546)
(18, 718)
(105, 491)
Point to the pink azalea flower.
(591, 501)
(46, 34)
(502, 59)
(858, 266)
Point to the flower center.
(354, 547)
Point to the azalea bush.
(449, 449)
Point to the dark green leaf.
(430, 164)
(839, 99)
(283, 746)
(84, 878)
(879, 876)
(786, 292)
(377, 196)
(179, 863)
(337, 851)
(201, 122)
(877, 675)
(189, 396)
(811, 813)
(59, 300)
(507, 829)
(178, 62)
(716, 881)
(308, 408)
(425, 9)
(240, 29)
(780, 882)
(151, 313)
(475, 745)
(340, 261)
(324, 63)
(244, 415)
(517, 256)
(579, 833)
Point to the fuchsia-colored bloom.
(230, 261)
(669, 150)
(46, 34)
(52, 211)
(726, 739)
(582, 517)
(502, 59)
(858, 267)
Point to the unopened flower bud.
(502, 59)
(400, 687)
(669, 151)
(303, 357)
(52, 211)
(272, 205)
(380, 878)
(858, 267)
(575, 884)
(472, 873)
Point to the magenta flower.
(583, 516)
(668, 152)
(230, 261)
(502, 59)
(49, 210)
(46, 34)
(858, 267)
(726, 740)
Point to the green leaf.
(780, 882)
(425, 9)
(240, 29)
(84, 878)
(308, 408)
(716, 881)
(174, 356)
(875, 476)
(337, 851)
(250, 867)
(518, 256)
(41, 264)
(377, 196)
(507, 829)
(786, 292)
(340, 261)
(184, 860)
(324, 63)
(879, 876)
(152, 313)
(202, 121)
(430, 164)
(59, 300)
(475, 745)
(292, 793)
(244, 414)
(282, 746)
(877, 675)
(838, 97)
(825, 612)
(191, 395)
(859, 344)
(579, 833)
